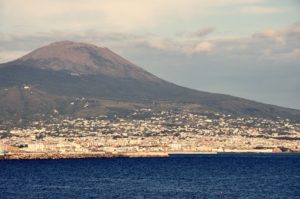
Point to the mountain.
(79, 79)
(82, 59)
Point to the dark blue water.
(214, 176)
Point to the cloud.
(269, 44)
(160, 44)
(280, 36)
(202, 32)
(185, 47)
(204, 46)
(201, 47)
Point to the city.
(147, 133)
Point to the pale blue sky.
(246, 48)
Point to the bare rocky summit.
(82, 59)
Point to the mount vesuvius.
(81, 80)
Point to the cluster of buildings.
(148, 131)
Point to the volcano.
(81, 80)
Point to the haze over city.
(248, 48)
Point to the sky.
(245, 48)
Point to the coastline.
(45, 156)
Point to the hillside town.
(148, 133)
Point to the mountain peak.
(68, 43)
(63, 50)
(81, 58)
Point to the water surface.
(197, 176)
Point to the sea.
(179, 176)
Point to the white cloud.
(204, 46)
(201, 47)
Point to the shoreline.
(49, 156)
(45, 156)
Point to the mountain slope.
(64, 71)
